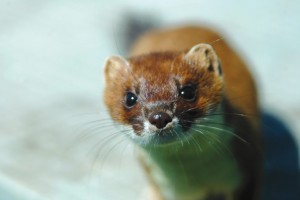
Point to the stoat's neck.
(201, 163)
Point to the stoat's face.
(160, 95)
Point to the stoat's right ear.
(115, 66)
(203, 55)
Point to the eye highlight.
(188, 93)
(130, 99)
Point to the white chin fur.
(147, 136)
(150, 129)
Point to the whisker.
(99, 151)
(234, 114)
(217, 40)
(190, 109)
(205, 122)
(100, 121)
(223, 130)
(178, 135)
(105, 139)
(207, 140)
(211, 138)
(98, 145)
(217, 139)
(197, 144)
(186, 139)
(82, 135)
(117, 144)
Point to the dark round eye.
(188, 93)
(130, 99)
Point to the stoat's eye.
(188, 93)
(130, 99)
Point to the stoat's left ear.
(203, 55)
(115, 67)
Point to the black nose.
(160, 119)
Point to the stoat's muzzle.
(160, 119)
(159, 116)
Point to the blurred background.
(51, 80)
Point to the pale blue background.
(51, 59)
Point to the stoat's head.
(160, 95)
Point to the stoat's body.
(196, 121)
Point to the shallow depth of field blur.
(51, 81)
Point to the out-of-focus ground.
(51, 80)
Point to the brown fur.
(159, 64)
(239, 85)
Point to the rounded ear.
(203, 55)
(115, 66)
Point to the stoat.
(192, 110)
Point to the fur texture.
(163, 67)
